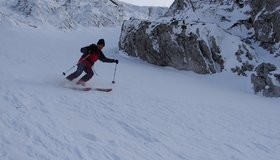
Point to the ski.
(103, 89)
(85, 88)
(81, 88)
(89, 89)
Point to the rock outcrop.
(264, 81)
(186, 44)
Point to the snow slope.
(153, 113)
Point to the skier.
(91, 54)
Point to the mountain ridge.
(70, 14)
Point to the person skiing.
(90, 55)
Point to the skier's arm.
(105, 59)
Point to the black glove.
(116, 61)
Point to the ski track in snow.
(152, 113)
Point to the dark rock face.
(163, 47)
(263, 81)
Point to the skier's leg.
(88, 75)
(77, 73)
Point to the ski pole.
(64, 73)
(115, 74)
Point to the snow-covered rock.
(265, 21)
(198, 47)
(187, 42)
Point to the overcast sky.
(164, 3)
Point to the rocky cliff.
(210, 36)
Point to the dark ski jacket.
(91, 54)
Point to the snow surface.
(153, 113)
